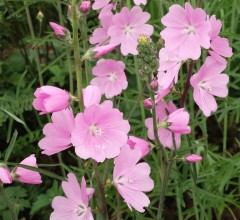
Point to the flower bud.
(61, 32)
(147, 103)
(85, 6)
(98, 51)
(40, 16)
(154, 85)
(192, 158)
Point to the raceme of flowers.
(100, 131)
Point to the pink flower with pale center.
(58, 29)
(142, 145)
(187, 30)
(98, 4)
(27, 176)
(5, 175)
(50, 99)
(207, 83)
(218, 44)
(169, 66)
(171, 122)
(100, 132)
(76, 203)
(126, 28)
(139, 2)
(132, 178)
(193, 158)
(110, 77)
(58, 133)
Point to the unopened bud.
(61, 32)
(98, 52)
(192, 158)
(147, 103)
(40, 16)
(85, 6)
(154, 85)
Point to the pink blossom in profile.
(58, 133)
(110, 77)
(218, 44)
(91, 96)
(85, 6)
(132, 178)
(207, 83)
(165, 135)
(76, 203)
(98, 4)
(139, 2)
(27, 176)
(100, 132)
(193, 158)
(100, 51)
(126, 28)
(49, 99)
(5, 175)
(169, 66)
(142, 145)
(187, 30)
(58, 29)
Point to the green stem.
(33, 38)
(7, 200)
(118, 206)
(77, 54)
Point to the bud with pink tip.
(61, 32)
(98, 51)
(154, 85)
(5, 176)
(193, 158)
(135, 142)
(50, 99)
(85, 6)
(147, 103)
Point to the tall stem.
(187, 85)
(7, 200)
(77, 54)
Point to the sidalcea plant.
(98, 130)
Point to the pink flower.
(76, 203)
(170, 122)
(110, 77)
(58, 133)
(91, 96)
(138, 143)
(50, 99)
(132, 179)
(207, 83)
(100, 131)
(58, 29)
(27, 176)
(218, 44)
(187, 30)
(85, 6)
(193, 158)
(169, 66)
(102, 50)
(98, 4)
(138, 2)
(126, 28)
(5, 176)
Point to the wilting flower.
(132, 179)
(207, 83)
(193, 158)
(98, 4)
(169, 66)
(126, 28)
(50, 99)
(76, 203)
(138, 2)
(110, 77)
(187, 30)
(218, 44)
(91, 96)
(138, 143)
(100, 132)
(171, 122)
(58, 133)
(85, 6)
(27, 176)
(5, 176)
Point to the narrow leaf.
(11, 145)
(12, 116)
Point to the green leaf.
(11, 145)
(13, 116)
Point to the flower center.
(189, 30)
(128, 30)
(80, 210)
(112, 76)
(95, 131)
(121, 180)
(205, 86)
